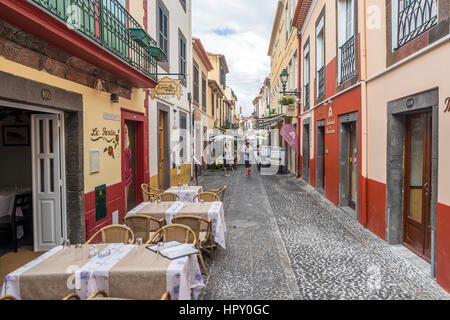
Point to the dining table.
(7, 196)
(121, 270)
(186, 193)
(169, 210)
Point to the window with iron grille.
(306, 76)
(346, 40)
(320, 59)
(203, 93)
(163, 30)
(411, 18)
(196, 84)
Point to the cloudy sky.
(239, 29)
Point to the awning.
(265, 122)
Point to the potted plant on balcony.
(286, 101)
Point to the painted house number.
(447, 103)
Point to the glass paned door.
(47, 182)
(417, 202)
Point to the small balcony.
(347, 56)
(414, 18)
(97, 31)
(321, 83)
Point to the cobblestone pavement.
(285, 241)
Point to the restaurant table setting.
(186, 193)
(169, 210)
(123, 271)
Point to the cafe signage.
(46, 94)
(167, 87)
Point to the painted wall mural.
(109, 136)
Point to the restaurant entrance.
(32, 183)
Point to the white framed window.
(346, 40)
(320, 58)
(306, 77)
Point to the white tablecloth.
(183, 277)
(6, 208)
(186, 193)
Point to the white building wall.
(179, 20)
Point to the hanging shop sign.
(167, 87)
(289, 133)
(447, 103)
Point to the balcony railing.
(348, 59)
(321, 83)
(107, 23)
(414, 18)
(307, 97)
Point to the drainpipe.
(365, 202)
(299, 82)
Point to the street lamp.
(284, 76)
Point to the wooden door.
(417, 184)
(352, 165)
(322, 129)
(161, 150)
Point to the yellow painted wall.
(95, 104)
(284, 50)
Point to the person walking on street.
(227, 158)
(248, 166)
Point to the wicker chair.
(98, 293)
(202, 229)
(8, 298)
(168, 197)
(72, 296)
(219, 192)
(150, 189)
(144, 226)
(114, 234)
(207, 197)
(148, 196)
(180, 233)
(165, 296)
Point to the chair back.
(114, 234)
(192, 222)
(221, 192)
(142, 225)
(168, 197)
(23, 201)
(174, 232)
(147, 195)
(207, 197)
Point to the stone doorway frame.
(346, 119)
(320, 141)
(397, 110)
(306, 150)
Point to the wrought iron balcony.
(107, 24)
(348, 59)
(307, 97)
(321, 83)
(414, 18)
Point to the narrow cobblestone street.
(286, 242)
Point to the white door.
(47, 181)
